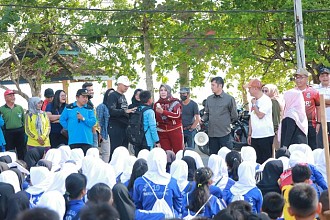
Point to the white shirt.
(326, 92)
(263, 127)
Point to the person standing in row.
(119, 114)
(220, 112)
(14, 133)
(49, 96)
(312, 107)
(190, 117)
(261, 128)
(78, 119)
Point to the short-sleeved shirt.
(188, 113)
(312, 99)
(55, 127)
(324, 90)
(13, 117)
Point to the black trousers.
(56, 139)
(84, 147)
(263, 148)
(15, 139)
(215, 143)
(118, 137)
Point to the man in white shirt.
(261, 130)
(324, 89)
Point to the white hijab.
(320, 163)
(246, 179)
(58, 183)
(53, 200)
(9, 153)
(70, 167)
(199, 163)
(119, 157)
(11, 178)
(285, 162)
(249, 154)
(143, 154)
(305, 149)
(97, 171)
(65, 153)
(77, 155)
(223, 152)
(41, 178)
(179, 171)
(54, 155)
(219, 169)
(94, 152)
(128, 169)
(156, 161)
(297, 157)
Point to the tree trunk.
(184, 74)
(147, 57)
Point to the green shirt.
(14, 118)
(276, 110)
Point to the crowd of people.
(71, 161)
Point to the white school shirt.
(262, 128)
(326, 92)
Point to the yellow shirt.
(285, 191)
(32, 133)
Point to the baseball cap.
(302, 72)
(324, 70)
(123, 80)
(184, 90)
(253, 83)
(49, 93)
(9, 92)
(82, 92)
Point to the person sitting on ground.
(227, 214)
(233, 160)
(303, 202)
(101, 211)
(100, 193)
(324, 200)
(38, 214)
(140, 167)
(272, 205)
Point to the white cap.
(123, 80)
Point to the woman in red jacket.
(168, 118)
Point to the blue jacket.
(254, 197)
(2, 138)
(80, 132)
(73, 209)
(214, 190)
(144, 198)
(211, 208)
(149, 123)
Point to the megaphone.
(201, 138)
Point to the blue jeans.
(189, 138)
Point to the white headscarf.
(179, 171)
(246, 179)
(54, 155)
(41, 178)
(297, 157)
(53, 200)
(70, 167)
(305, 149)
(11, 178)
(199, 163)
(223, 152)
(77, 155)
(58, 183)
(119, 157)
(320, 163)
(249, 154)
(94, 152)
(156, 161)
(97, 171)
(9, 153)
(285, 162)
(65, 153)
(128, 169)
(143, 154)
(219, 169)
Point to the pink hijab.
(295, 108)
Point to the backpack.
(286, 178)
(161, 206)
(135, 129)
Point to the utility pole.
(300, 41)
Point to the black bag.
(135, 130)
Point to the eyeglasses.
(299, 77)
(264, 90)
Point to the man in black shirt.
(119, 115)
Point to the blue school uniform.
(144, 198)
(211, 208)
(2, 138)
(73, 209)
(254, 197)
(214, 190)
(34, 199)
(143, 215)
(229, 184)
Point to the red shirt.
(169, 120)
(312, 99)
(44, 105)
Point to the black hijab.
(17, 203)
(191, 167)
(270, 175)
(170, 158)
(3, 167)
(45, 163)
(135, 102)
(33, 156)
(123, 203)
(6, 190)
(6, 159)
(282, 152)
(19, 175)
